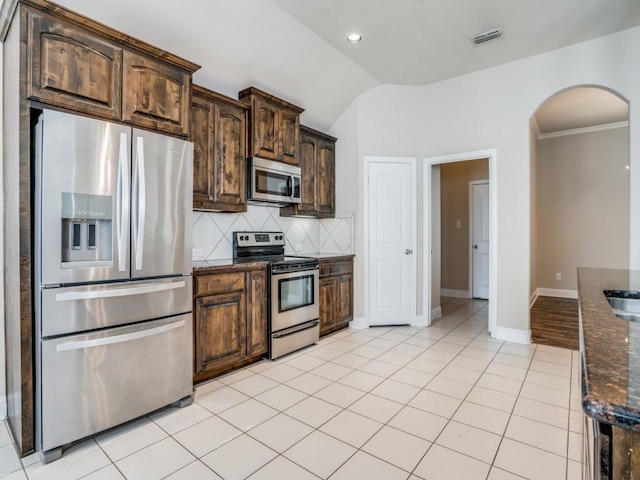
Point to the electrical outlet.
(196, 252)
(558, 276)
(458, 224)
(298, 247)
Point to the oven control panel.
(258, 239)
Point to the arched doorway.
(579, 202)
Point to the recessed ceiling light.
(354, 38)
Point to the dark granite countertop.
(609, 350)
(331, 256)
(211, 266)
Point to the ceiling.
(580, 108)
(296, 49)
(417, 42)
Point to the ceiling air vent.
(486, 37)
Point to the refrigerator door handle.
(119, 292)
(141, 206)
(65, 347)
(122, 202)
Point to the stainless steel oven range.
(293, 293)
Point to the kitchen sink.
(625, 304)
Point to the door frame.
(492, 155)
(368, 160)
(471, 184)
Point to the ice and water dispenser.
(86, 228)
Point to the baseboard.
(448, 292)
(421, 321)
(359, 323)
(556, 292)
(3, 408)
(532, 300)
(515, 335)
(436, 313)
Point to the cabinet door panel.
(73, 69)
(345, 299)
(328, 294)
(289, 128)
(265, 130)
(202, 119)
(157, 95)
(326, 178)
(220, 331)
(257, 339)
(230, 156)
(308, 152)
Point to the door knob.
(475, 246)
(408, 251)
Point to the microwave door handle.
(122, 202)
(293, 187)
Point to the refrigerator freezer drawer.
(77, 309)
(95, 381)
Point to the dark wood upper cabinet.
(274, 126)
(326, 177)
(289, 136)
(308, 154)
(77, 64)
(219, 135)
(71, 68)
(317, 161)
(156, 94)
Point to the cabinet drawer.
(219, 283)
(335, 268)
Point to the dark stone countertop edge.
(605, 349)
(211, 266)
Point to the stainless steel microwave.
(272, 182)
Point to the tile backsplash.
(212, 232)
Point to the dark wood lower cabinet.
(257, 335)
(230, 320)
(336, 294)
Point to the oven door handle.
(278, 271)
(296, 329)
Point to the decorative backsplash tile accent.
(213, 232)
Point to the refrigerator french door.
(113, 274)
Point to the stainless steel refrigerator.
(113, 295)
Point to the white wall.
(3, 386)
(583, 205)
(491, 109)
(533, 176)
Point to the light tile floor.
(440, 403)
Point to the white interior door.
(392, 277)
(480, 240)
